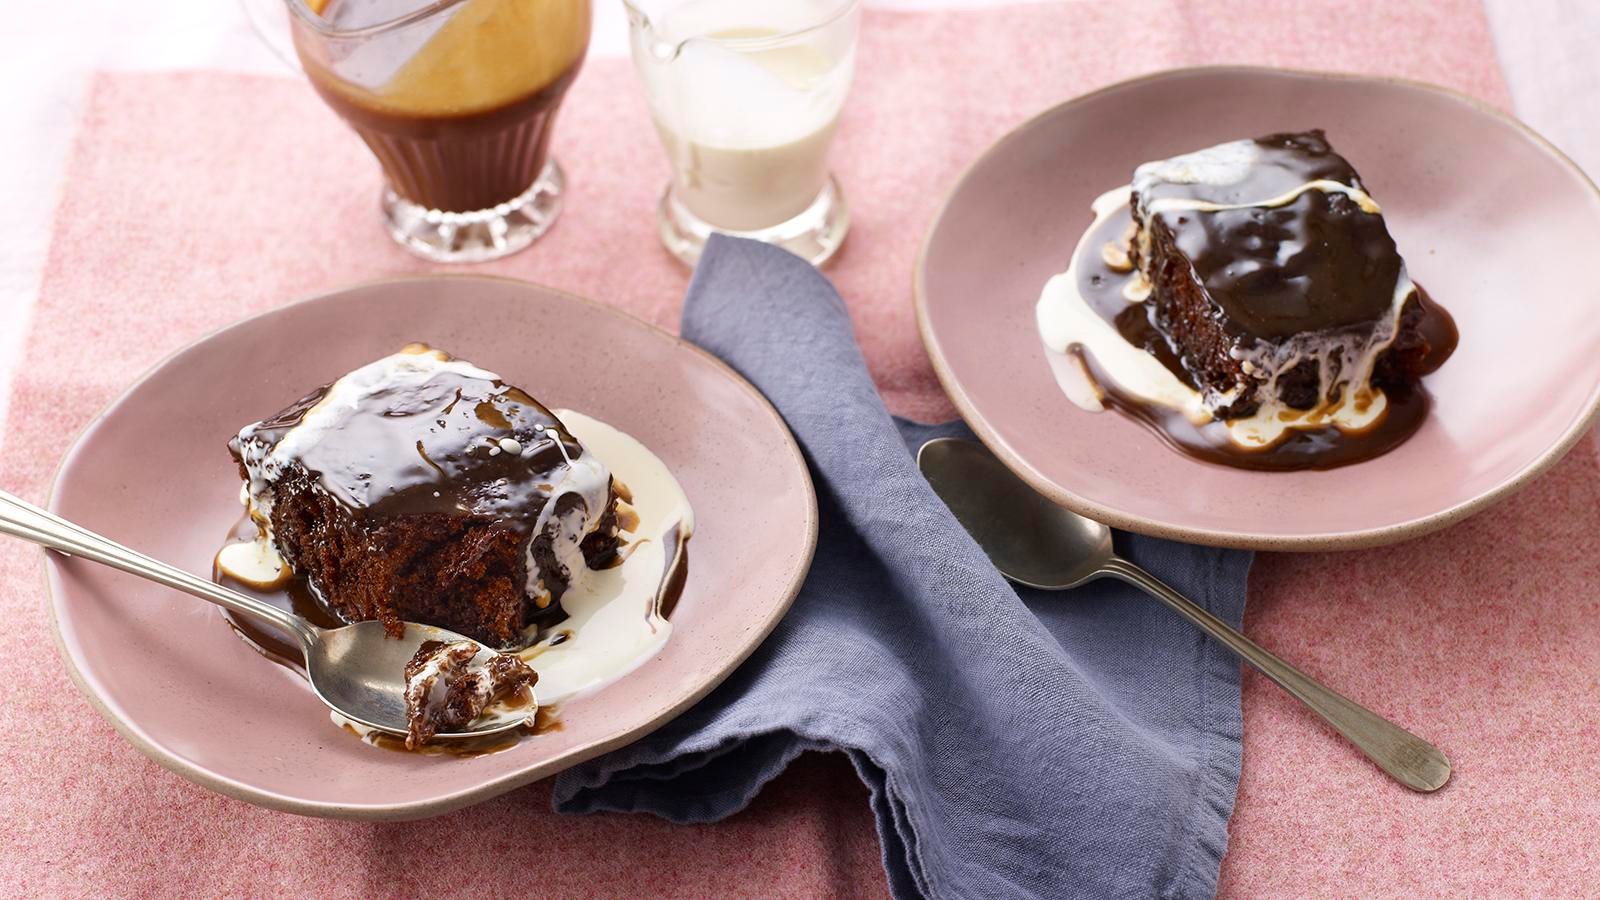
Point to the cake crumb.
(468, 687)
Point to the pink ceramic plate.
(1494, 221)
(153, 472)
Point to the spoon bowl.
(1031, 540)
(357, 670)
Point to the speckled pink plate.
(1496, 223)
(153, 472)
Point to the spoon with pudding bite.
(1035, 542)
(358, 670)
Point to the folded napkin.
(1016, 743)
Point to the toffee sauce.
(1325, 448)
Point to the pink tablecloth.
(195, 199)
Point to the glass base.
(814, 235)
(481, 235)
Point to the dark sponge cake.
(447, 687)
(422, 488)
(1273, 276)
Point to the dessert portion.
(1248, 300)
(420, 487)
(447, 688)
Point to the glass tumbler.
(456, 98)
(746, 95)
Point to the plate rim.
(1243, 540)
(490, 788)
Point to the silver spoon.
(1035, 542)
(357, 670)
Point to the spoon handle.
(22, 519)
(1409, 759)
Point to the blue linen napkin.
(1016, 743)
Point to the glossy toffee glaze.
(1277, 270)
(1104, 287)
(452, 441)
